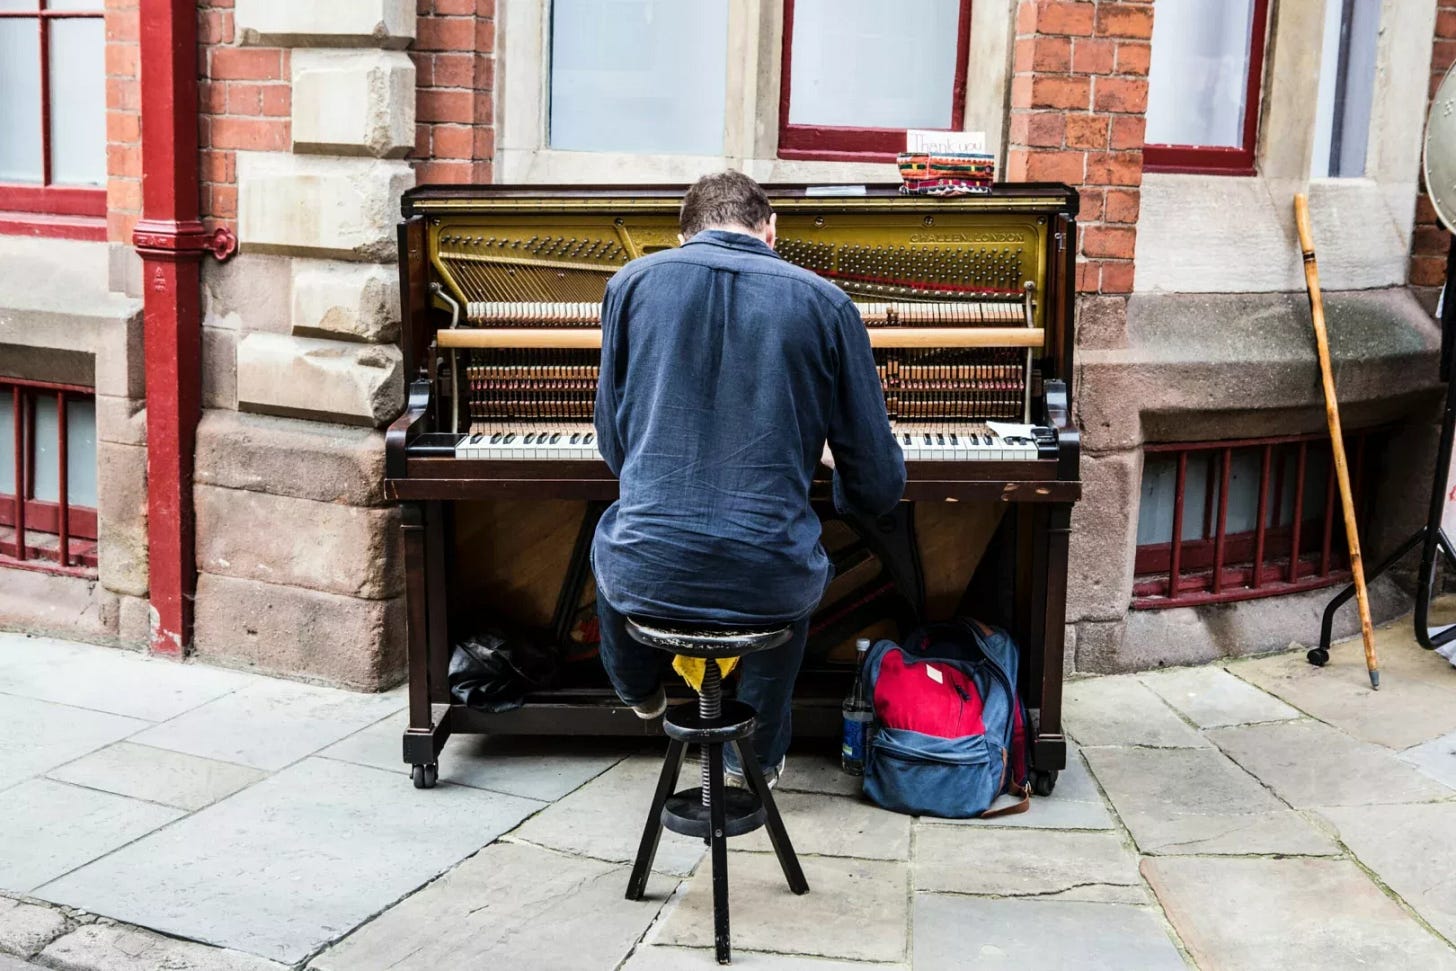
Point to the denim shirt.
(724, 369)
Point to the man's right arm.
(869, 466)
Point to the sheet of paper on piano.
(926, 140)
(1009, 430)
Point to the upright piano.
(969, 306)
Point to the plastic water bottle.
(858, 713)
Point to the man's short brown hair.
(721, 200)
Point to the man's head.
(727, 200)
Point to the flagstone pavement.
(1259, 813)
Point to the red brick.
(1425, 210)
(445, 172)
(119, 226)
(1016, 164)
(1075, 19)
(485, 9)
(1134, 58)
(449, 106)
(1116, 278)
(1021, 91)
(1088, 275)
(224, 202)
(1054, 92)
(1056, 167)
(1087, 131)
(453, 70)
(1052, 54)
(215, 27)
(250, 134)
(466, 7)
(123, 25)
(1427, 271)
(484, 142)
(484, 72)
(1121, 94)
(1121, 206)
(124, 194)
(445, 34)
(121, 60)
(451, 141)
(1045, 129)
(1128, 131)
(244, 98)
(484, 103)
(124, 160)
(1024, 55)
(212, 97)
(217, 166)
(1093, 56)
(1026, 17)
(1430, 239)
(1446, 24)
(485, 36)
(1125, 20)
(277, 100)
(123, 126)
(122, 94)
(1091, 205)
(422, 141)
(1114, 168)
(1109, 241)
(246, 64)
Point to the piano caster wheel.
(424, 775)
(1318, 656)
(1042, 783)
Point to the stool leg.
(779, 836)
(652, 832)
(719, 843)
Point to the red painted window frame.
(1219, 160)
(836, 143)
(43, 209)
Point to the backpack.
(950, 730)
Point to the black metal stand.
(1430, 537)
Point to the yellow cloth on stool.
(692, 668)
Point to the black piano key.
(495, 439)
(587, 440)
(555, 437)
(529, 437)
(953, 439)
(476, 437)
(510, 437)
(575, 437)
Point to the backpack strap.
(1016, 790)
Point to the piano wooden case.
(969, 302)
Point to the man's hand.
(827, 458)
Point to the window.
(857, 73)
(1346, 89)
(638, 75)
(48, 477)
(1203, 86)
(53, 113)
(1222, 521)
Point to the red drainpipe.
(171, 239)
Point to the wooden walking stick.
(1337, 441)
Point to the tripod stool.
(711, 811)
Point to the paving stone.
(1075, 803)
(108, 679)
(107, 947)
(270, 724)
(537, 768)
(51, 828)
(1242, 914)
(604, 818)
(654, 958)
(1199, 802)
(157, 775)
(1311, 764)
(817, 769)
(1121, 710)
(1412, 706)
(37, 735)
(1013, 863)
(26, 928)
(293, 862)
(856, 909)
(1410, 848)
(8, 963)
(510, 905)
(836, 826)
(1042, 934)
(1436, 758)
(1211, 697)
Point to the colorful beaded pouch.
(946, 173)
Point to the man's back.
(724, 368)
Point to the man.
(724, 370)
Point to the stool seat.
(705, 641)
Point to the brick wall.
(454, 55)
(244, 97)
(123, 120)
(1079, 93)
(1429, 245)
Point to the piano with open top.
(969, 306)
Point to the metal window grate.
(46, 432)
(1237, 520)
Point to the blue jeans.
(765, 680)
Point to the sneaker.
(770, 775)
(653, 707)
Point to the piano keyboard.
(582, 314)
(921, 441)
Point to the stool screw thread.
(710, 706)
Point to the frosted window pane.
(7, 443)
(1159, 486)
(1199, 75)
(20, 149)
(80, 455)
(1345, 98)
(96, 5)
(1243, 506)
(9, 5)
(873, 63)
(78, 102)
(638, 75)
